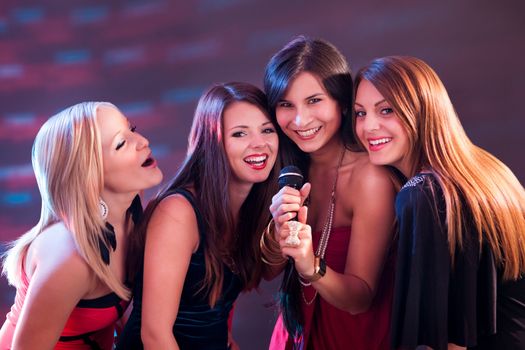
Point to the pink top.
(327, 327)
(91, 324)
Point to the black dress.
(435, 302)
(197, 325)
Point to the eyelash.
(238, 134)
(383, 111)
(288, 104)
(132, 128)
(264, 131)
(284, 104)
(121, 144)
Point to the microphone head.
(290, 176)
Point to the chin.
(258, 178)
(157, 178)
(308, 148)
(377, 160)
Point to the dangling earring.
(103, 209)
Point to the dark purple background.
(154, 58)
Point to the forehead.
(109, 121)
(243, 113)
(367, 91)
(304, 83)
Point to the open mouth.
(149, 161)
(257, 161)
(308, 133)
(381, 141)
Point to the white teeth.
(309, 132)
(380, 141)
(255, 160)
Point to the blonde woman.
(461, 215)
(69, 270)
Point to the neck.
(406, 166)
(327, 156)
(117, 205)
(238, 193)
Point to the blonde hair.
(67, 161)
(473, 181)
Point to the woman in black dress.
(461, 256)
(201, 234)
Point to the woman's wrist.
(270, 249)
(318, 271)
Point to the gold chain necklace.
(327, 227)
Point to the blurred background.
(153, 59)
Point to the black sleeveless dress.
(197, 325)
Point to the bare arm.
(285, 205)
(171, 239)
(59, 279)
(372, 203)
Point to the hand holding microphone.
(290, 198)
(287, 203)
(294, 235)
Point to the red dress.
(91, 324)
(327, 327)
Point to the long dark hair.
(323, 60)
(206, 170)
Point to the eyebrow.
(246, 126)
(375, 104)
(120, 130)
(315, 95)
(307, 98)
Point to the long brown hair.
(473, 180)
(206, 170)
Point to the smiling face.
(127, 161)
(380, 130)
(307, 114)
(250, 142)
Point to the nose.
(302, 118)
(257, 141)
(142, 141)
(371, 123)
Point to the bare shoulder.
(367, 175)
(174, 208)
(173, 222)
(54, 254)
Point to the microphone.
(290, 176)
(290, 287)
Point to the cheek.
(232, 150)
(284, 118)
(274, 142)
(227, 150)
(107, 166)
(359, 129)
